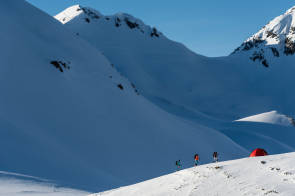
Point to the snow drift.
(272, 117)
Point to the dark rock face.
(130, 24)
(89, 13)
(275, 52)
(289, 47)
(117, 22)
(271, 34)
(120, 86)
(60, 65)
(260, 57)
(135, 89)
(154, 32)
(265, 63)
(248, 45)
(257, 56)
(292, 30)
(251, 44)
(260, 47)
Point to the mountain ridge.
(161, 62)
(88, 14)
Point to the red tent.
(258, 152)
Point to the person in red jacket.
(196, 159)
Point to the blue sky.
(208, 27)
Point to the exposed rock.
(60, 65)
(154, 32)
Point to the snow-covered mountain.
(120, 20)
(175, 78)
(275, 40)
(67, 115)
(273, 175)
(208, 91)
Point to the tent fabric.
(258, 152)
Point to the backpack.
(215, 154)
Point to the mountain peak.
(76, 11)
(291, 10)
(81, 15)
(274, 40)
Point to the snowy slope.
(209, 91)
(272, 175)
(19, 185)
(168, 73)
(68, 116)
(272, 117)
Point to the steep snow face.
(272, 117)
(274, 40)
(68, 116)
(272, 175)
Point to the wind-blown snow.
(272, 117)
(272, 175)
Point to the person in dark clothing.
(215, 157)
(178, 164)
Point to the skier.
(178, 164)
(196, 159)
(215, 157)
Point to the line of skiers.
(197, 160)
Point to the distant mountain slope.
(272, 175)
(68, 116)
(168, 73)
(209, 91)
